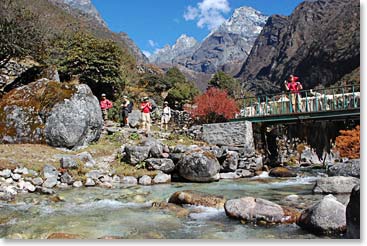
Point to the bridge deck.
(326, 104)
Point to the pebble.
(77, 184)
(89, 182)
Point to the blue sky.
(155, 23)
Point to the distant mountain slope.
(224, 49)
(86, 10)
(319, 42)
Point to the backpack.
(154, 107)
(130, 107)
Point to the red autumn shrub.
(348, 143)
(214, 106)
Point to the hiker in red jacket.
(105, 105)
(146, 107)
(294, 86)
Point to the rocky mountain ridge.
(224, 49)
(86, 7)
(319, 42)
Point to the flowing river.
(126, 212)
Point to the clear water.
(127, 212)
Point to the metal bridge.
(336, 103)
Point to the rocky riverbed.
(188, 189)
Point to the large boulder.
(199, 166)
(136, 154)
(51, 112)
(250, 209)
(325, 217)
(164, 165)
(353, 214)
(349, 168)
(197, 198)
(335, 185)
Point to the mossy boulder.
(59, 114)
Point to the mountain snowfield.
(225, 48)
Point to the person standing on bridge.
(294, 86)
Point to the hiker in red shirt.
(105, 105)
(294, 86)
(146, 108)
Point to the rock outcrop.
(291, 45)
(335, 185)
(350, 168)
(325, 217)
(199, 166)
(50, 112)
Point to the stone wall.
(229, 134)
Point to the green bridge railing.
(307, 101)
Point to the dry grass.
(32, 156)
(35, 156)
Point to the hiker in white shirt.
(166, 116)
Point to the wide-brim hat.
(103, 95)
(165, 102)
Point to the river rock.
(197, 198)
(162, 178)
(145, 180)
(45, 190)
(116, 179)
(66, 178)
(16, 176)
(335, 185)
(77, 184)
(199, 166)
(349, 168)
(50, 171)
(129, 180)
(21, 170)
(136, 154)
(244, 173)
(156, 147)
(164, 165)
(353, 214)
(325, 217)
(184, 148)
(67, 162)
(230, 163)
(281, 172)
(233, 175)
(50, 182)
(6, 173)
(89, 182)
(29, 187)
(94, 174)
(37, 181)
(87, 159)
(179, 211)
(252, 209)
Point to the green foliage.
(181, 93)
(21, 32)
(134, 136)
(98, 63)
(224, 81)
(174, 76)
